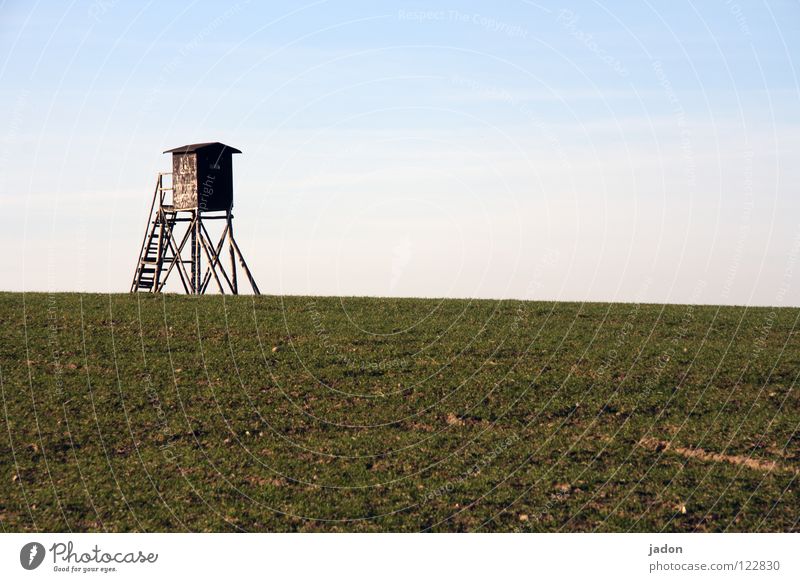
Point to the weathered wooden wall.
(184, 180)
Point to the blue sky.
(566, 150)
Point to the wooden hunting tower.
(201, 190)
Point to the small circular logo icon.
(31, 555)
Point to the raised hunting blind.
(202, 176)
(200, 190)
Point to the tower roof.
(193, 147)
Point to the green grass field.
(174, 413)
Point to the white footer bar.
(371, 557)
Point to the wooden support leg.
(214, 261)
(244, 267)
(234, 282)
(177, 251)
(195, 255)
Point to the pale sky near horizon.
(583, 151)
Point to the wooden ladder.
(154, 252)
